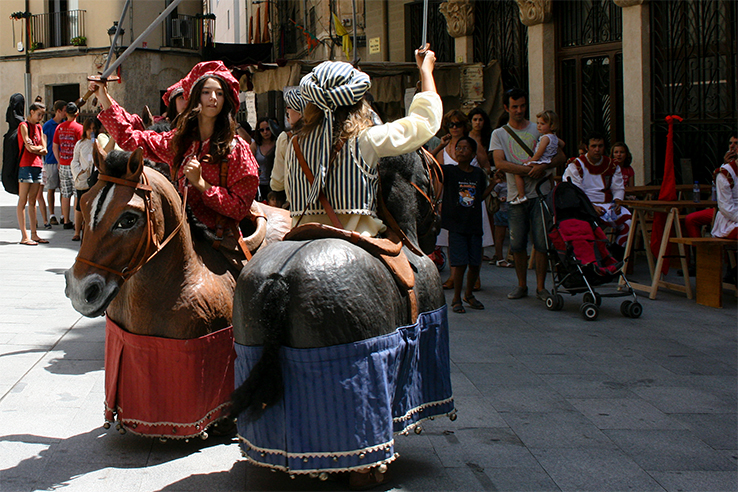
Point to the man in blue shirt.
(51, 166)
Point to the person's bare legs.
(471, 279)
(32, 193)
(42, 204)
(500, 232)
(65, 201)
(458, 276)
(77, 222)
(541, 269)
(20, 210)
(521, 267)
(51, 199)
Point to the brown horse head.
(123, 220)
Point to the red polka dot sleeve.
(119, 123)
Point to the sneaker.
(53, 221)
(68, 225)
(518, 200)
(543, 294)
(47, 225)
(518, 292)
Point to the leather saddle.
(389, 252)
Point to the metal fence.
(54, 29)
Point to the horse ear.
(135, 164)
(98, 157)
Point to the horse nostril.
(92, 293)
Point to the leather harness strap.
(222, 222)
(309, 175)
(149, 240)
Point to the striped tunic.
(351, 185)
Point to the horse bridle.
(434, 173)
(148, 240)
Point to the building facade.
(56, 44)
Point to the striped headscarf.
(328, 86)
(294, 100)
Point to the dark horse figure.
(327, 292)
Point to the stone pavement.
(546, 400)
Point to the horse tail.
(264, 386)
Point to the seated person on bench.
(602, 180)
(726, 217)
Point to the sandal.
(473, 302)
(504, 264)
(29, 242)
(458, 308)
(75, 237)
(40, 241)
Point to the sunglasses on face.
(264, 129)
(455, 124)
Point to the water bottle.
(713, 195)
(696, 192)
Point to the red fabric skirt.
(163, 387)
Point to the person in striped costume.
(341, 146)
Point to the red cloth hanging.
(164, 387)
(667, 193)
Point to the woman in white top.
(82, 166)
(341, 147)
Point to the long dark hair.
(171, 113)
(486, 128)
(272, 127)
(187, 126)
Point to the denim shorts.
(29, 174)
(464, 249)
(501, 218)
(523, 220)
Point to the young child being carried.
(548, 143)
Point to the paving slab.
(546, 401)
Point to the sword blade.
(114, 66)
(424, 38)
(117, 33)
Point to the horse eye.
(126, 221)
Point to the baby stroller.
(578, 255)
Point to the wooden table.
(639, 209)
(648, 191)
(709, 262)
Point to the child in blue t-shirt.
(464, 190)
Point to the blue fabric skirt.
(343, 403)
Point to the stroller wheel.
(596, 300)
(635, 310)
(555, 302)
(589, 311)
(625, 308)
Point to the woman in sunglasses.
(263, 145)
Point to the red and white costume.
(232, 200)
(603, 183)
(726, 218)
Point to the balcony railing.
(188, 31)
(53, 29)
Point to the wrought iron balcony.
(52, 29)
(188, 31)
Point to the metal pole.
(353, 9)
(114, 66)
(117, 33)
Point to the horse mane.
(395, 175)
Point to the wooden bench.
(709, 262)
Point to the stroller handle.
(539, 184)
